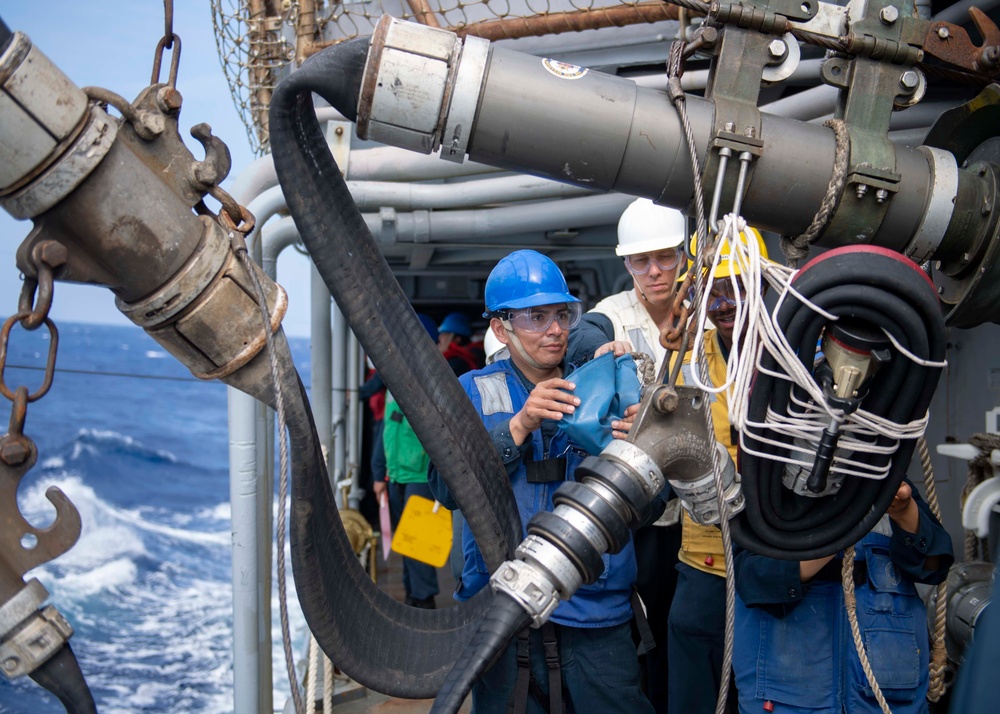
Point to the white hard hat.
(494, 348)
(645, 228)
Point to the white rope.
(311, 667)
(327, 684)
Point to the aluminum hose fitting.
(592, 516)
(700, 497)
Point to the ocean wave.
(94, 441)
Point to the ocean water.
(141, 448)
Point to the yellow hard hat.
(722, 270)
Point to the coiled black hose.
(506, 617)
(379, 642)
(882, 288)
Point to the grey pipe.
(805, 105)
(339, 383)
(321, 361)
(431, 227)
(354, 362)
(505, 189)
(243, 499)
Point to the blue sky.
(111, 44)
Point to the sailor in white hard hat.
(650, 240)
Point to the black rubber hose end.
(61, 675)
(5, 35)
(503, 621)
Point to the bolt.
(10, 664)
(666, 401)
(508, 574)
(943, 33)
(881, 195)
(966, 257)
(909, 80)
(169, 99)
(889, 14)
(13, 453)
(339, 131)
(730, 126)
(52, 253)
(777, 49)
(750, 132)
(941, 290)
(861, 190)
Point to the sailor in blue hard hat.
(521, 400)
(532, 310)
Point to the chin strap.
(517, 344)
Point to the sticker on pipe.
(564, 70)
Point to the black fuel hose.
(5, 35)
(61, 675)
(381, 643)
(889, 292)
(504, 620)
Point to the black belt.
(546, 470)
(833, 570)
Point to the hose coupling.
(700, 497)
(592, 516)
(29, 636)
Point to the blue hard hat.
(525, 278)
(429, 325)
(457, 323)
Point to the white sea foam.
(108, 576)
(85, 436)
(54, 462)
(156, 354)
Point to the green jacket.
(406, 461)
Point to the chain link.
(167, 43)
(50, 367)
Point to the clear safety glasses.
(539, 319)
(722, 294)
(640, 263)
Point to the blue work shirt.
(793, 643)
(499, 392)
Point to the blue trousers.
(598, 668)
(696, 632)
(420, 580)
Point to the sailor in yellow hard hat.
(696, 622)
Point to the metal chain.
(237, 238)
(938, 666)
(166, 43)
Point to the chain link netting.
(259, 40)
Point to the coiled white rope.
(859, 430)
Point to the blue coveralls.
(793, 644)
(598, 660)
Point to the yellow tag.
(424, 532)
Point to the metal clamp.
(37, 640)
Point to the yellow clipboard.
(424, 532)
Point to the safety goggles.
(539, 319)
(722, 294)
(640, 263)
